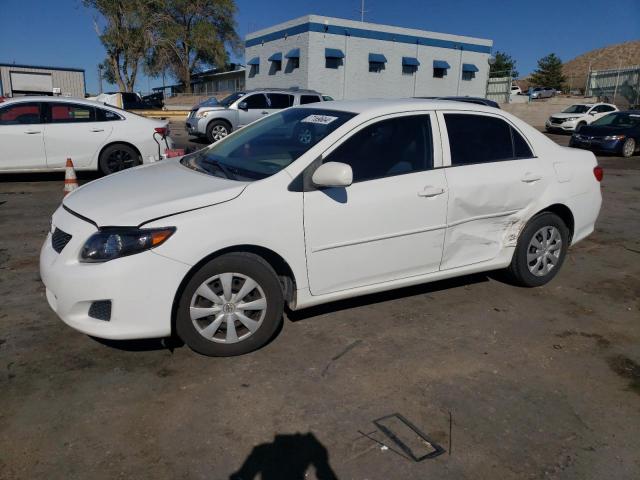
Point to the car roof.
(282, 90)
(46, 98)
(385, 106)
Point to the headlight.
(202, 114)
(614, 137)
(115, 242)
(569, 119)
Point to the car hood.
(603, 130)
(567, 115)
(210, 108)
(135, 196)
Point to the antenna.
(362, 10)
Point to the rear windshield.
(265, 147)
(619, 119)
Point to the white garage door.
(31, 82)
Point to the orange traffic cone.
(70, 179)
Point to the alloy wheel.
(218, 132)
(120, 160)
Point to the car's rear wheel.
(118, 157)
(232, 305)
(580, 125)
(217, 130)
(628, 147)
(540, 251)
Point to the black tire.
(580, 125)
(217, 130)
(628, 148)
(118, 157)
(245, 264)
(519, 270)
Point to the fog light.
(101, 310)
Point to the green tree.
(192, 34)
(126, 35)
(503, 64)
(549, 73)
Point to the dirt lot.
(512, 383)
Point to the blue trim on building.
(410, 62)
(276, 57)
(441, 64)
(333, 53)
(469, 67)
(293, 53)
(377, 58)
(364, 33)
(254, 61)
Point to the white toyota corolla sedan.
(40, 133)
(311, 205)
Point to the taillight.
(598, 173)
(164, 131)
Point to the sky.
(61, 32)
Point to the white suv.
(386, 194)
(578, 115)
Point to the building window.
(254, 70)
(409, 69)
(468, 75)
(439, 72)
(294, 63)
(332, 62)
(377, 62)
(469, 71)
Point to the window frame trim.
(446, 152)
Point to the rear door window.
(280, 100)
(483, 139)
(21, 114)
(70, 113)
(304, 99)
(106, 115)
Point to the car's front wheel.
(232, 305)
(540, 251)
(628, 147)
(217, 130)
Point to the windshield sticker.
(319, 119)
(634, 115)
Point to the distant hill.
(625, 54)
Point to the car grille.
(556, 121)
(59, 240)
(192, 113)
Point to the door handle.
(265, 113)
(97, 130)
(530, 178)
(431, 192)
(32, 132)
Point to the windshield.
(227, 101)
(619, 119)
(265, 147)
(209, 102)
(577, 109)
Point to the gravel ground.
(512, 383)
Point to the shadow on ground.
(288, 457)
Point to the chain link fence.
(620, 86)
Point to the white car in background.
(40, 133)
(576, 116)
(383, 194)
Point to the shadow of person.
(288, 457)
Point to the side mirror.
(243, 106)
(333, 174)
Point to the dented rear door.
(489, 193)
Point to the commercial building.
(215, 81)
(16, 80)
(349, 59)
